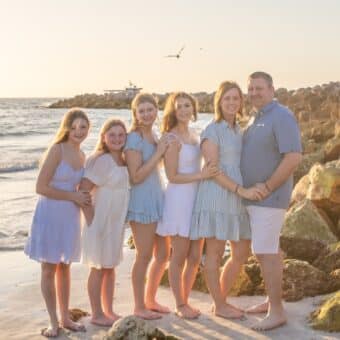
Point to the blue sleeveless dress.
(146, 198)
(55, 230)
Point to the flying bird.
(178, 55)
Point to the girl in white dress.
(182, 166)
(106, 176)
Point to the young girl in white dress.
(55, 232)
(182, 165)
(106, 177)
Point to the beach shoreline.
(23, 314)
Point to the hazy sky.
(68, 47)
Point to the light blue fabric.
(55, 229)
(218, 212)
(271, 134)
(146, 198)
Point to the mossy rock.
(77, 313)
(130, 243)
(199, 283)
(324, 190)
(301, 249)
(327, 316)
(304, 222)
(300, 190)
(133, 327)
(301, 279)
(249, 282)
(324, 180)
(308, 160)
(332, 149)
(329, 258)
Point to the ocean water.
(27, 127)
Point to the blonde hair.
(66, 124)
(139, 99)
(65, 127)
(222, 89)
(101, 147)
(169, 120)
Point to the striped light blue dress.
(219, 213)
(146, 198)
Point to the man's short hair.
(266, 76)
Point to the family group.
(226, 185)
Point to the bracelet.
(267, 187)
(236, 188)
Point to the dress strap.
(62, 150)
(175, 136)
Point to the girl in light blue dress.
(54, 238)
(143, 154)
(218, 213)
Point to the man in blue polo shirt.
(271, 151)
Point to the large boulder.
(329, 258)
(301, 249)
(132, 328)
(302, 279)
(304, 222)
(324, 182)
(337, 129)
(250, 281)
(332, 149)
(322, 131)
(327, 316)
(300, 190)
(309, 145)
(308, 160)
(324, 189)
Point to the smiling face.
(183, 110)
(146, 114)
(230, 104)
(114, 138)
(78, 131)
(260, 92)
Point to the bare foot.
(156, 307)
(147, 314)
(260, 308)
(194, 309)
(229, 305)
(187, 312)
(235, 307)
(113, 316)
(271, 321)
(50, 332)
(228, 312)
(102, 320)
(73, 326)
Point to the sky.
(61, 48)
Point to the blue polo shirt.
(271, 133)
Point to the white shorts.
(265, 225)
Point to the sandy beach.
(23, 314)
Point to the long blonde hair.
(65, 127)
(101, 147)
(222, 89)
(169, 120)
(139, 99)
